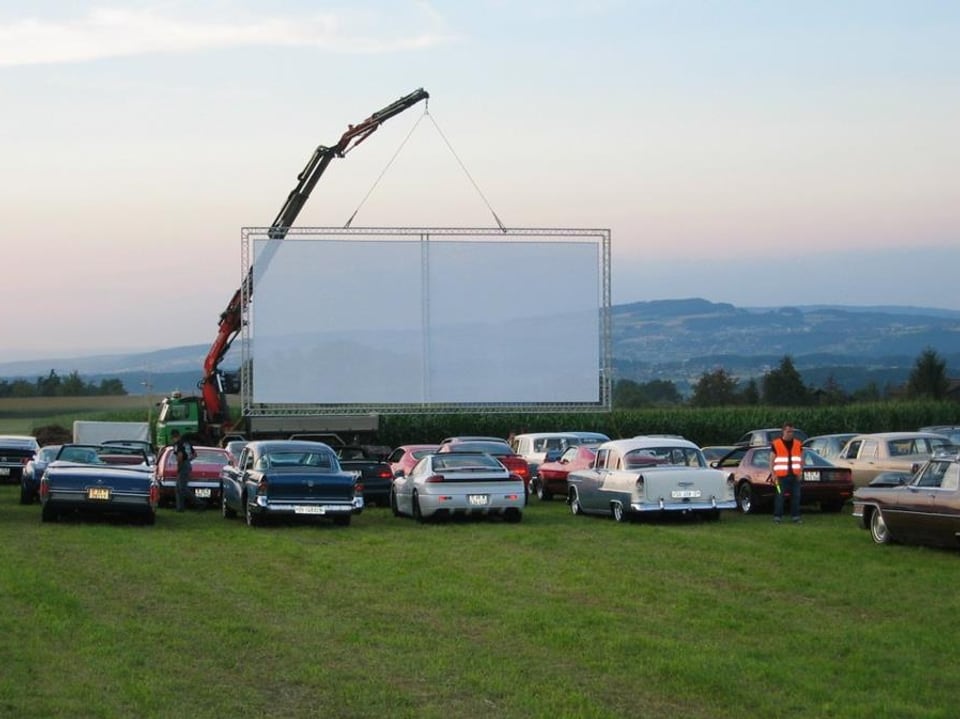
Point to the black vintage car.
(922, 509)
(290, 478)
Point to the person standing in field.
(184, 453)
(786, 471)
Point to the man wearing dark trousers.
(786, 471)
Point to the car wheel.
(393, 504)
(618, 514)
(832, 507)
(512, 515)
(150, 518)
(342, 520)
(574, 502)
(543, 494)
(25, 495)
(878, 528)
(417, 514)
(47, 514)
(225, 510)
(745, 500)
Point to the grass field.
(21, 416)
(558, 616)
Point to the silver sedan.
(460, 483)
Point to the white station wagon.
(631, 477)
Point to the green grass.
(558, 616)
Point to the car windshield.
(458, 460)
(211, 456)
(297, 459)
(674, 456)
(46, 454)
(496, 448)
(812, 459)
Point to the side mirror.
(399, 473)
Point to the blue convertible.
(88, 479)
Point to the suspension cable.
(426, 113)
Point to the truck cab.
(180, 413)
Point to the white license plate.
(307, 509)
(102, 493)
(685, 493)
(4, 471)
(203, 493)
(811, 476)
(478, 500)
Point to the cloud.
(116, 32)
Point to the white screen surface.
(395, 320)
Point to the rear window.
(460, 461)
(673, 456)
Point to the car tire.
(619, 515)
(225, 511)
(746, 499)
(48, 515)
(574, 502)
(878, 528)
(26, 497)
(543, 494)
(417, 513)
(393, 504)
(831, 507)
(150, 518)
(342, 520)
(512, 515)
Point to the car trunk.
(316, 487)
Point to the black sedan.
(923, 510)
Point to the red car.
(553, 475)
(204, 484)
(403, 458)
(823, 483)
(499, 449)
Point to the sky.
(758, 153)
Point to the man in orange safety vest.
(786, 470)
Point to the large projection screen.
(413, 319)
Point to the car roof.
(898, 435)
(647, 441)
(546, 435)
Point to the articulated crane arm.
(231, 319)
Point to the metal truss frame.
(424, 234)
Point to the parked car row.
(905, 486)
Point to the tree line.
(783, 386)
(53, 385)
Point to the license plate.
(685, 493)
(98, 493)
(307, 509)
(811, 476)
(477, 500)
(201, 493)
(4, 471)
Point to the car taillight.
(640, 484)
(384, 474)
(358, 487)
(434, 478)
(154, 494)
(262, 486)
(44, 488)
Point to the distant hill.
(674, 340)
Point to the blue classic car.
(81, 482)
(291, 478)
(33, 471)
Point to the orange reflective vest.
(786, 462)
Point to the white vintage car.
(630, 477)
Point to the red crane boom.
(231, 319)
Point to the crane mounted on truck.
(208, 416)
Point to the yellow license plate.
(98, 493)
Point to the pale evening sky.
(759, 153)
